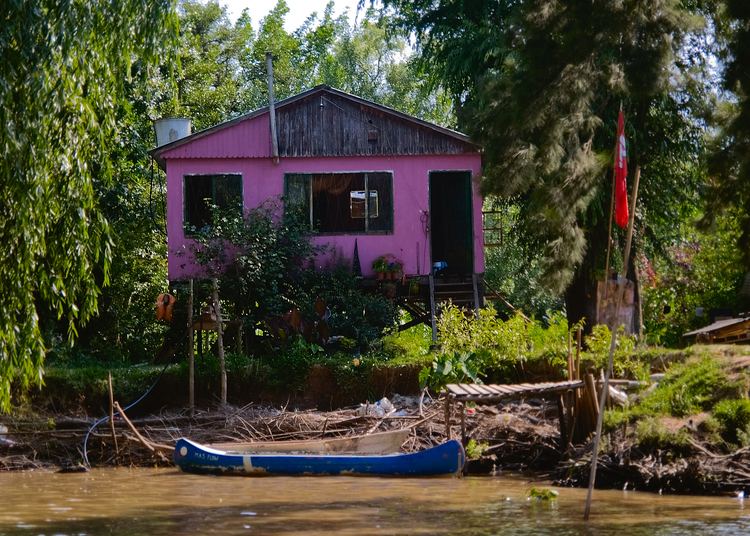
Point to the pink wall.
(247, 139)
(233, 150)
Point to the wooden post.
(564, 439)
(591, 396)
(475, 286)
(612, 345)
(220, 341)
(432, 308)
(112, 412)
(578, 354)
(190, 351)
(463, 423)
(447, 417)
(570, 358)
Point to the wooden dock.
(465, 392)
(566, 392)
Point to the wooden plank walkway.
(471, 392)
(482, 394)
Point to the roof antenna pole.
(272, 109)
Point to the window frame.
(311, 216)
(185, 223)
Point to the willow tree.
(61, 78)
(538, 83)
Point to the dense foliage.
(537, 83)
(730, 160)
(268, 267)
(700, 275)
(220, 74)
(61, 79)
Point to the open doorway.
(451, 222)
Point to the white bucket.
(171, 129)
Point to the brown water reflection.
(141, 501)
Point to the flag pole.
(613, 342)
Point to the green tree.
(288, 53)
(700, 272)
(206, 82)
(730, 159)
(371, 61)
(539, 84)
(62, 74)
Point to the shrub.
(734, 418)
(266, 260)
(260, 257)
(475, 450)
(357, 315)
(450, 368)
(497, 344)
(651, 433)
(412, 346)
(625, 360)
(550, 343)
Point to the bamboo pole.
(220, 342)
(191, 351)
(609, 239)
(571, 366)
(112, 412)
(613, 343)
(578, 354)
(611, 217)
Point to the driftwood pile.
(693, 468)
(516, 436)
(147, 441)
(519, 436)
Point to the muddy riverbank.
(519, 437)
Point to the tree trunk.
(581, 295)
(580, 299)
(635, 276)
(191, 350)
(220, 342)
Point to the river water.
(165, 501)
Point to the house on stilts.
(367, 175)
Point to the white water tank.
(171, 129)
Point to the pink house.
(363, 172)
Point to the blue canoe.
(445, 459)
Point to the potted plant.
(395, 268)
(380, 267)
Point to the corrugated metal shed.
(727, 330)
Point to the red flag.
(621, 173)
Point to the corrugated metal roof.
(719, 324)
(158, 151)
